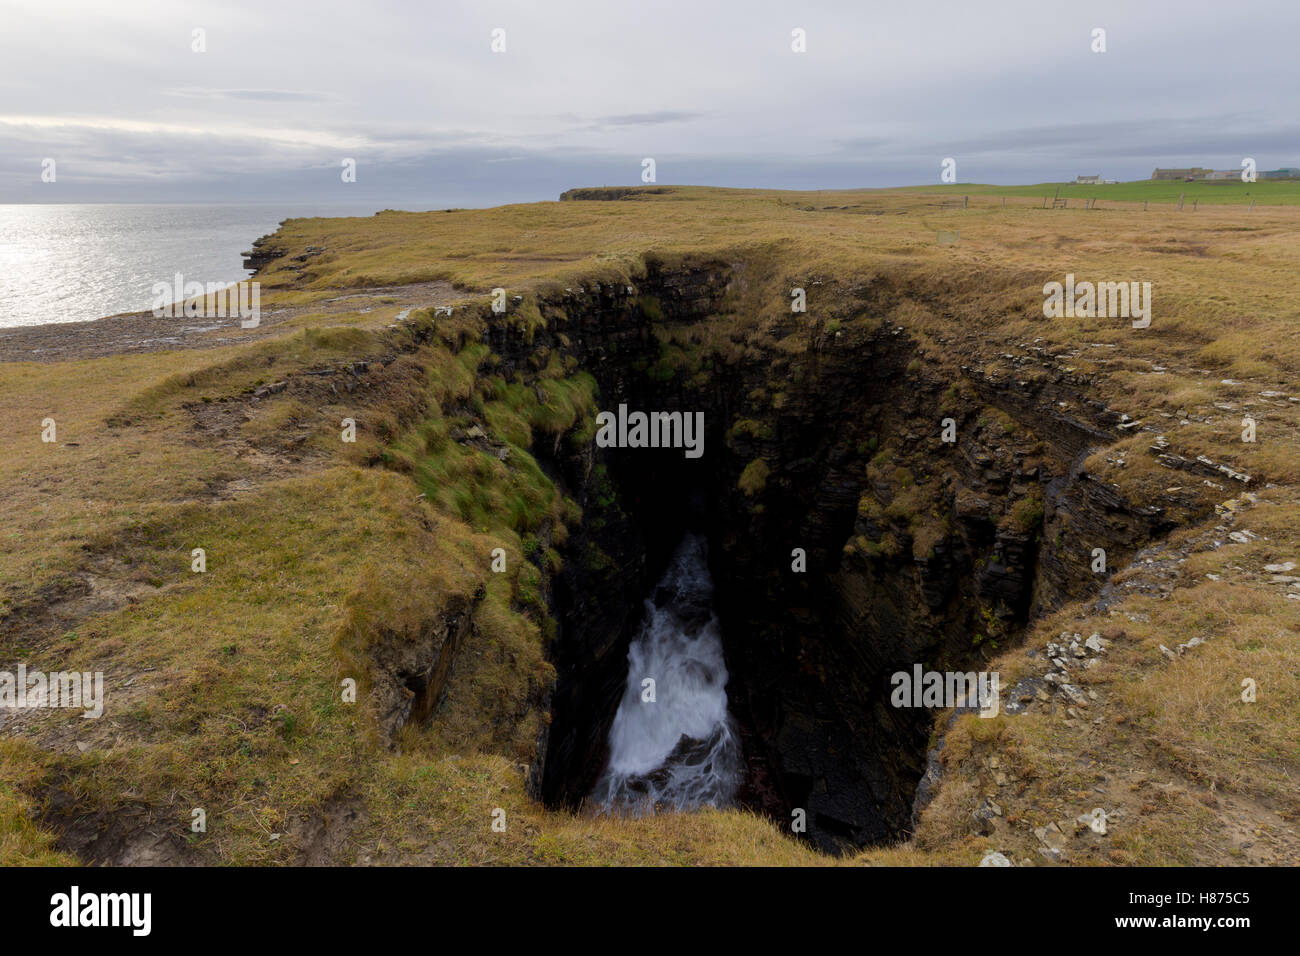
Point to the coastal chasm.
(846, 538)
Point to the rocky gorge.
(868, 544)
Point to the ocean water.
(74, 262)
(675, 749)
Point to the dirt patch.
(322, 838)
(142, 836)
(103, 585)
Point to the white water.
(680, 751)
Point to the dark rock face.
(262, 253)
(598, 602)
(916, 550)
(409, 670)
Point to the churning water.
(673, 745)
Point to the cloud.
(268, 96)
(425, 107)
(650, 119)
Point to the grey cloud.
(268, 96)
(432, 116)
(649, 119)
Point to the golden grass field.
(223, 686)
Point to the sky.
(284, 92)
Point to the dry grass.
(224, 686)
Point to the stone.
(983, 816)
(1076, 696)
(1053, 854)
(1094, 821)
(1051, 837)
(994, 858)
(271, 389)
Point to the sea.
(77, 262)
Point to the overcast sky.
(114, 93)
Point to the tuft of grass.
(754, 478)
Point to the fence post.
(1180, 201)
(1144, 204)
(1252, 205)
(965, 202)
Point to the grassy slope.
(1281, 192)
(224, 686)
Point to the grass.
(754, 478)
(1281, 192)
(1173, 752)
(225, 687)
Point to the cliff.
(919, 469)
